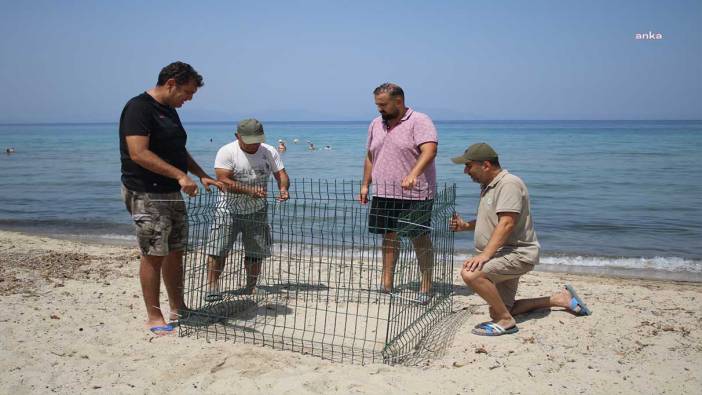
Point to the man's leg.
(390, 252)
(253, 269)
(425, 256)
(215, 266)
(150, 278)
(487, 290)
(173, 280)
(257, 239)
(220, 242)
(559, 299)
(174, 227)
(152, 244)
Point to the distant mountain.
(206, 115)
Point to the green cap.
(251, 131)
(477, 152)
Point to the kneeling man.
(506, 244)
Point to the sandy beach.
(73, 322)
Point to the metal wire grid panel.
(306, 274)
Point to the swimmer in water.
(281, 146)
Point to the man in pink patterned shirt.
(401, 146)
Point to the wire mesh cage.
(315, 274)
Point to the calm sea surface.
(624, 194)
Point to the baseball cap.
(251, 131)
(478, 152)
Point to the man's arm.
(499, 236)
(426, 156)
(224, 177)
(457, 224)
(139, 152)
(367, 178)
(281, 177)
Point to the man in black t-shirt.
(155, 165)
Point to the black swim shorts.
(409, 218)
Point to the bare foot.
(492, 313)
(176, 315)
(159, 328)
(561, 299)
(506, 323)
(156, 322)
(496, 328)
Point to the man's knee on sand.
(499, 269)
(504, 277)
(470, 277)
(505, 290)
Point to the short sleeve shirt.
(507, 193)
(250, 169)
(144, 116)
(394, 153)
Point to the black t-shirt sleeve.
(137, 120)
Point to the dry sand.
(72, 321)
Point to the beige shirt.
(507, 193)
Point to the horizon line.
(356, 121)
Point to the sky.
(80, 61)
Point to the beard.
(389, 115)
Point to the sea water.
(613, 194)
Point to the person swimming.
(295, 141)
(281, 146)
(10, 150)
(311, 146)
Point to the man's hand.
(409, 181)
(207, 182)
(363, 195)
(456, 224)
(258, 192)
(187, 185)
(475, 263)
(283, 195)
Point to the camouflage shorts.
(159, 219)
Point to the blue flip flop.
(577, 305)
(493, 329)
(162, 330)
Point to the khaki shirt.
(507, 193)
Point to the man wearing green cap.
(505, 242)
(244, 167)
